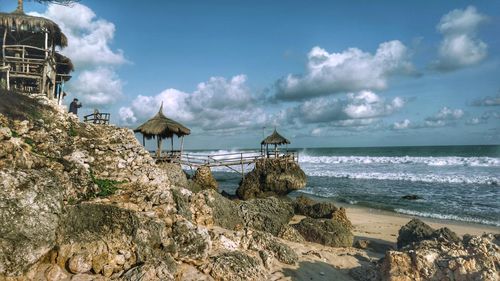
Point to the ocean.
(460, 183)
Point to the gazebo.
(161, 127)
(274, 139)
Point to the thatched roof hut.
(161, 127)
(276, 139)
(20, 22)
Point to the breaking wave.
(430, 161)
(447, 217)
(468, 179)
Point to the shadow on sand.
(317, 271)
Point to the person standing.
(73, 106)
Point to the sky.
(324, 73)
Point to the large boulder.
(204, 179)
(30, 205)
(477, 259)
(316, 210)
(329, 232)
(267, 214)
(272, 177)
(416, 230)
(236, 266)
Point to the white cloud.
(89, 38)
(446, 114)
(460, 46)
(217, 104)
(444, 117)
(487, 101)
(350, 70)
(127, 116)
(97, 87)
(474, 121)
(89, 47)
(363, 105)
(405, 124)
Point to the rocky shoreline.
(87, 202)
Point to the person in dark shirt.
(73, 106)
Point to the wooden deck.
(229, 160)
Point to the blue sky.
(325, 73)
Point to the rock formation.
(429, 254)
(272, 177)
(87, 202)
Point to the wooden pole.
(143, 141)
(172, 144)
(182, 144)
(242, 168)
(159, 146)
(8, 79)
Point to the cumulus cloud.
(405, 124)
(217, 104)
(444, 117)
(487, 101)
(89, 38)
(460, 46)
(89, 47)
(350, 70)
(100, 86)
(363, 105)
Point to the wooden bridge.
(229, 160)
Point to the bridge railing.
(194, 159)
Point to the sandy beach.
(384, 225)
(318, 262)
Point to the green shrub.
(72, 132)
(106, 187)
(29, 141)
(15, 134)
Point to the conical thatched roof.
(275, 138)
(22, 22)
(163, 127)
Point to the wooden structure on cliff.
(161, 127)
(30, 63)
(274, 139)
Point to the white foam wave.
(430, 178)
(446, 217)
(430, 161)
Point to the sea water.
(459, 183)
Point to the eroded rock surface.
(272, 177)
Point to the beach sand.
(317, 262)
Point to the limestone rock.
(416, 231)
(29, 206)
(193, 243)
(267, 243)
(175, 173)
(271, 177)
(268, 214)
(204, 179)
(80, 263)
(316, 210)
(235, 266)
(326, 232)
(289, 233)
(444, 260)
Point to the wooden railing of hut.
(97, 118)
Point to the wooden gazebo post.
(158, 151)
